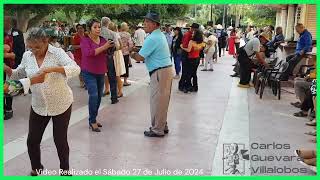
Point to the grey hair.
(36, 34)
(105, 21)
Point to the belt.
(151, 72)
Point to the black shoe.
(152, 134)
(166, 131)
(36, 172)
(130, 65)
(137, 61)
(99, 124)
(313, 114)
(185, 90)
(8, 115)
(195, 89)
(65, 173)
(235, 75)
(114, 101)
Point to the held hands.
(7, 70)
(48, 70)
(38, 78)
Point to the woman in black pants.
(51, 99)
(127, 45)
(194, 47)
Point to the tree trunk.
(23, 18)
(36, 20)
(237, 23)
(69, 18)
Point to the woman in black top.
(176, 50)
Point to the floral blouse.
(53, 96)
(127, 42)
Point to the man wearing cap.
(250, 49)
(155, 52)
(168, 34)
(139, 36)
(185, 42)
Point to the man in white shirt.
(139, 36)
(250, 49)
(250, 34)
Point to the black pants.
(307, 103)
(245, 67)
(7, 101)
(112, 78)
(192, 65)
(37, 125)
(237, 47)
(293, 60)
(126, 63)
(183, 79)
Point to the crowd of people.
(100, 54)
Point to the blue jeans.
(177, 63)
(95, 85)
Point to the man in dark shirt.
(18, 48)
(304, 45)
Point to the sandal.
(312, 123)
(300, 114)
(311, 133)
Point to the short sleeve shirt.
(252, 46)
(155, 51)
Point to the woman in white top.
(118, 60)
(51, 99)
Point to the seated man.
(304, 45)
(301, 86)
(276, 40)
(245, 52)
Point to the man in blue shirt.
(155, 53)
(168, 35)
(304, 45)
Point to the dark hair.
(79, 25)
(180, 35)
(197, 37)
(271, 27)
(90, 23)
